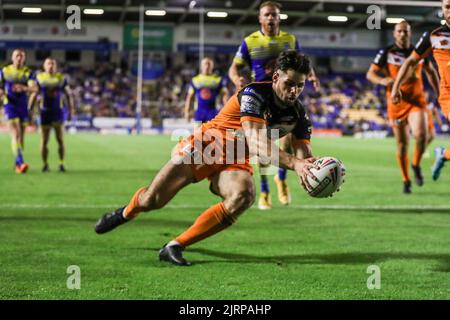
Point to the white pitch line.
(187, 206)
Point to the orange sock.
(404, 168)
(417, 156)
(133, 209)
(447, 154)
(210, 222)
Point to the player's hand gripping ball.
(330, 176)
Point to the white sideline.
(187, 206)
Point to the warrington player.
(205, 88)
(259, 51)
(52, 87)
(15, 84)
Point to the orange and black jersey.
(257, 102)
(389, 60)
(392, 58)
(437, 42)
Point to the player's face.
(288, 85)
(207, 66)
(269, 19)
(402, 34)
(18, 58)
(50, 66)
(446, 11)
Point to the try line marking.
(202, 207)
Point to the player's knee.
(150, 201)
(242, 200)
(420, 137)
(402, 148)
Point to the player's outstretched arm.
(411, 62)
(262, 146)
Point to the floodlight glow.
(31, 10)
(159, 13)
(217, 14)
(394, 20)
(93, 11)
(337, 18)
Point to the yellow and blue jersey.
(260, 52)
(206, 89)
(10, 76)
(51, 87)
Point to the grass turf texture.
(306, 251)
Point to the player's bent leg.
(169, 180)
(238, 193)
(45, 135)
(401, 133)
(418, 124)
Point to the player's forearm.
(225, 98)
(71, 105)
(32, 101)
(234, 74)
(268, 152)
(187, 108)
(401, 76)
(303, 150)
(373, 77)
(433, 79)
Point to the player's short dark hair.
(19, 49)
(270, 4)
(291, 59)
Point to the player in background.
(52, 87)
(436, 42)
(411, 113)
(15, 84)
(205, 88)
(250, 114)
(259, 51)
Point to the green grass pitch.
(314, 249)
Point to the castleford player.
(15, 83)
(205, 88)
(249, 113)
(259, 52)
(436, 42)
(411, 112)
(52, 86)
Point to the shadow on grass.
(157, 222)
(363, 209)
(337, 258)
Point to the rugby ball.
(330, 176)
